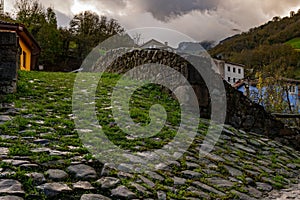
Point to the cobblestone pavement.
(285, 194)
(242, 166)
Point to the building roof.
(164, 46)
(231, 63)
(238, 84)
(23, 33)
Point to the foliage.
(30, 13)
(89, 29)
(270, 58)
(272, 93)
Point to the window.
(234, 80)
(239, 71)
(24, 59)
(292, 89)
(228, 68)
(229, 79)
(234, 70)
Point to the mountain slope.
(269, 46)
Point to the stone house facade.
(30, 48)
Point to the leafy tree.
(50, 41)
(89, 29)
(273, 93)
(30, 13)
(270, 58)
(51, 17)
(43, 26)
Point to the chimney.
(166, 43)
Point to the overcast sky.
(199, 19)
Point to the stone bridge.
(241, 112)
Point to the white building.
(229, 71)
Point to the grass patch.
(45, 100)
(19, 149)
(45, 112)
(295, 43)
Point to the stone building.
(18, 50)
(30, 49)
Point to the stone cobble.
(241, 166)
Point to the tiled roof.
(23, 33)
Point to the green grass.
(46, 102)
(19, 149)
(295, 43)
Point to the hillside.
(42, 156)
(268, 47)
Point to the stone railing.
(9, 59)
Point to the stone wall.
(9, 59)
(241, 112)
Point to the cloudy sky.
(199, 19)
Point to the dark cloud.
(164, 10)
(224, 18)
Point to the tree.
(276, 19)
(51, 17)
(89, 29)
(271, 93)
(292, 13)
(30, 13)
(43, 26)
(50, 41)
